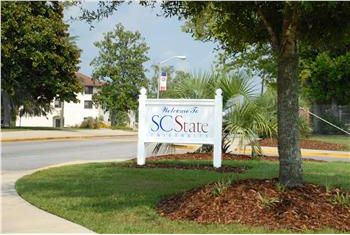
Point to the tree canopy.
(256, 60)
(38, 57)
(120, 64)
(237, 26)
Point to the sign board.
(182, 121)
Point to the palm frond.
(236, 85)
(197, 86)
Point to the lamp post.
(181, 57)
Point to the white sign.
(162, 84)
(186, 121)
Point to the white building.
(68, 113)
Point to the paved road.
(20, 156)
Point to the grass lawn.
(334, 139)
(108, 198)
(33, 128)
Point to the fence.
(338, 115)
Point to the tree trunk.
(284, 46)
(113, 118)
(7, 109)
(291, 172)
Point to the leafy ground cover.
(335, 139)
(269, 204)
(112, 198)
(336, 143)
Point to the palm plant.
(235, 86)
(196, 86)
(247, 121)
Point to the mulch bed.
(300, 208)
(209, 156)
(306, 144)
(223, 169)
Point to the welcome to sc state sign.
(181, 121)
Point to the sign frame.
(216, 104)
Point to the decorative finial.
(219, 92)
(143, 91)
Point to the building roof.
(88, 81)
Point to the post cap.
(143, 91)
(219, 92)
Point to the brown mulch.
(223, 169)
(299, 208)
(209, 156)
(306, 144)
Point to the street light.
(181, 57)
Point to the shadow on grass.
(108, 191)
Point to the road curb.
(64, 138)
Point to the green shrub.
(280, 188)
(341, 199)
(92, 123)
(325, 128)
(222, 185)
(119, 118)
(304, 127)
(268, 202)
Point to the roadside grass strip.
(110, 198)
(335, 139)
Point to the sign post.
(141, 153)
(182, 121)
(218, 129)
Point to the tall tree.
(120, 64)
(326, 78)
(38, 58)
(236, 25)
(283, 25)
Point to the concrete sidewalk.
(19, 216)
(30, 135)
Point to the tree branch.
(274, 38)
(288, 40)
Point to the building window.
(58, 104)
(88, 90)
(88, 104)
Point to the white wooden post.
(141, 153)
(218, 129)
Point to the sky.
(163, 36)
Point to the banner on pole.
(162, 84)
